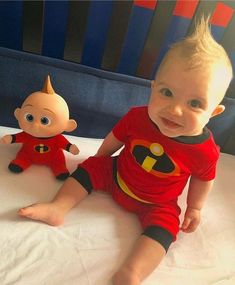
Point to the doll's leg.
(58, 166)
(20, 163)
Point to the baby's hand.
(74, 149)
(7, 139)
(191, 221)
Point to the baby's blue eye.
(29, 117)
(45, 121)
(166, 92)
(195, 103)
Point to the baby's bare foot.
(47, 213)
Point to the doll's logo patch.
(153, 159)
(41, 148)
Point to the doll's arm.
(73, 149)
(7, 139)
(197, 194)
(109, 145)
(15, 138)
(62, 142)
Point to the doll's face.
(44, 115)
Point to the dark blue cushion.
(223, 126)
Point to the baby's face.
(183, 100)
(43, 115)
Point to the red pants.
(100, 170)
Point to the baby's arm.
(109, 145)
(197, 194)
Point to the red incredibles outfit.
(152, 170)
(44, 151)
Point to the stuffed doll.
(43, 116)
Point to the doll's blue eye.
(29, 117)
(45, 121)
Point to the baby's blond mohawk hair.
(201, 42)
(47, 87)
(200, 49)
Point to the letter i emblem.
(148, 163)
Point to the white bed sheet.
(97, 235)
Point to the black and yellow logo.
(153, 159)
(41, 148)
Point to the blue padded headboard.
(101, 55)
(128, 37)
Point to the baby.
(165, 144)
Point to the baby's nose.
(175, 109)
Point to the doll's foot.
(63, 176)
(47, 213)
(15, 168)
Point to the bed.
(97, 235)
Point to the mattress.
(97, 234)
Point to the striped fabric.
(136, 35)
(178, 27)
(96, 32)
(128, 37)
(220, 19)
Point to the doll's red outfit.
(152, 170)
(44, 151)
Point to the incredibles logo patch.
(153, 159)
(41, 148)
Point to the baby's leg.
(70, 194)
(144, 258)
(160, 226)
(74, 189)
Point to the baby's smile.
(170, 123)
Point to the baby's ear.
(17, 113)
(218, 110)
(152, 84)
(71, 125)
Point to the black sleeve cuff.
(159, 234)
(68, 146)
(13, 138)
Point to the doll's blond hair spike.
(47, 88)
